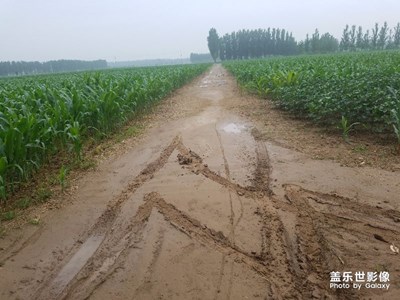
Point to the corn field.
(42, 115)
(360, 87)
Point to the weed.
(86, 164)
(360, 148)
(43, 194)
(346, 128)
(8, 215)
(24, 203)
(34, 221)
(62, 177)
(2, 233)
(128, 133)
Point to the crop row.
(41, 115)
(360, 87)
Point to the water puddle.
(204, 83)
(69, 271)
(233, 128)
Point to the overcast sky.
(134, 29)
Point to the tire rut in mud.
(113, 244)
(56, 287)
(334, 233)
(294, 262)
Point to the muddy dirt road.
(204, 208)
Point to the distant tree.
(366, 41)
(307, 46)
(277, 41)
(389, 42)
(353, 38)
(383, 36)
(268, 42)
(222, 49)
(359, 39)
(213, 43)
(375, 36)
(345, 41)
(396, 36)
(300, 47)
(26, 68)
(243, 44)
(228, 46)
(328, 43)
(315, 47)
(234, 45)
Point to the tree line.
(245, 44)
(15, 68)
(378, 38)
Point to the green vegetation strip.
(361, 87)
(42, 115)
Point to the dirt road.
(204, 208)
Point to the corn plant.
(395, 113)
(346, 128)
(396, 127)
(62, 177)
(73, 132)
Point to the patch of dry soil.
(203, 207)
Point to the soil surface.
(206, 206)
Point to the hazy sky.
(132, 29)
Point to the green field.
(42, 115)
(359, 87)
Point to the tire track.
(180, 221)
(262, 176)
(146, 284)
(228, 176)
(231, 220)
(86, 283)
(321, 218)
(53, 289)
(194, 163)
(220, 277)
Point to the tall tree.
(307, 44)
(234, 45)
(345, 42)
(222, 49)
(375, 36)
(396, 36)
(328, 43)
(359, 41)
(353, 38)
(315, 42)
(366, 40)
(213, 43)
(383, 36)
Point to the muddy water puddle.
(233, 128)
(76, 263)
